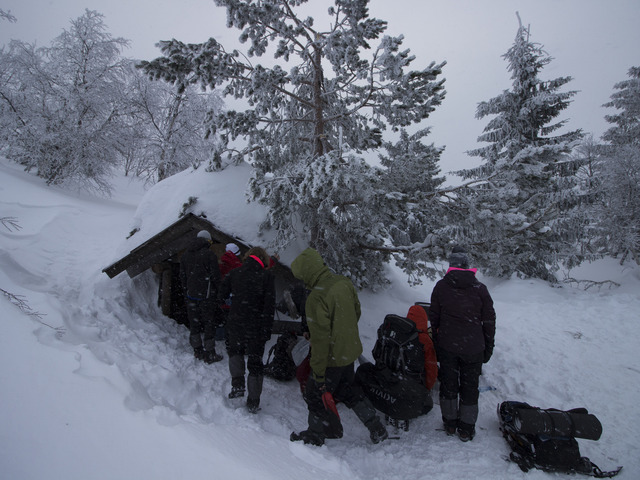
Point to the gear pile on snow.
(279, 364)
(546, 439)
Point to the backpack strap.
(271, 353)
(596, 472)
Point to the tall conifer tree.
(619, 173)
(521, 213)
(306, 128)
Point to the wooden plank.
(167, 243)
(181, 227)
(161, 253)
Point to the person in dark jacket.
(332, 310)
(251, 288)
(200, 277)
(229, 260)
(463, 325)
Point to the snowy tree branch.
(587, 284)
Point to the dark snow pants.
(202, 323)
(253, 348)
(243, 339)
(459, 378)
(339, 381)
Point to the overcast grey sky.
(593, 41)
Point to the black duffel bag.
(546, 438)
(397, 396)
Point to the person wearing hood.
(332, 310)
(251, 288)
(200, 277)
(463, 323)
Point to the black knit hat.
(458, 258)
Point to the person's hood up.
(308, 267)
(461, 278)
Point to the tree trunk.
(318, 103)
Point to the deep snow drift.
(102, 386)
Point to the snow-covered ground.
(102, 386)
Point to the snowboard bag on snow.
(546, 438)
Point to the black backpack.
(280, 365)
(398, 347)
(546, 439)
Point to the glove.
(488, 351)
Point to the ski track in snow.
(555, 347)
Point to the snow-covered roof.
(219, 198)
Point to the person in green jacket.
(332, 310)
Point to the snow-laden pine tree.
(62, 111)
(521, 214)
(619, 172)
(306, 128)
(625, 128)
(411, 207)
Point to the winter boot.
(254, 389)
(198, 353)
(449, 410)
(314, 433)
(450, 427)
(237, 387)
(253, 405)
(236, 369)
(367, 414)
(377, 431)
(212, 357)
(466, 425)
(309, 437)
(466, 432)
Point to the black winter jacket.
(253, 299)
(199, 271)
(461, 314)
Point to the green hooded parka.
(332, 310)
